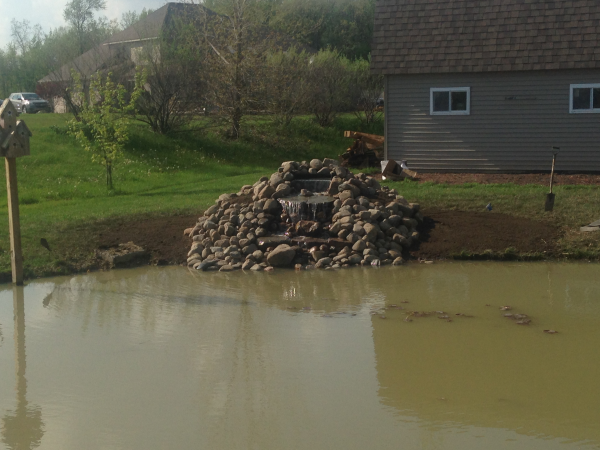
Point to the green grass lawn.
(63, 194)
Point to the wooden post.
(14, 223)
(14, 142)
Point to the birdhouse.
(15, 144)
(8, 116)
(14, 136)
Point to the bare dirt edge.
(444, 235)
(540, 179)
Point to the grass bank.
(64, 199)
(63, 195)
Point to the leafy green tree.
(103, 122)
(343, 25)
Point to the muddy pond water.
(413, 357)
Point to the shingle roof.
(103, 56)
(147, 28)
(434, 36)
(108, 53)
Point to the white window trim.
(450, 113)
(583, 111)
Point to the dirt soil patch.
(443, 234)
(161, 236)
(447, 233)
(542, 179)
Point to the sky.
(49, 13)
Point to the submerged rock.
(206, 264)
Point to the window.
(585, 98)
(445, 101)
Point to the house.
(171, 24)
(490, 85)
(124, 50)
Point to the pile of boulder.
(367, 224)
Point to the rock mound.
(255, 229)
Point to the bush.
(287, 84)
(328, 79)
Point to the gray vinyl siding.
(499, 135)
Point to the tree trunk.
(109, 182)
(238, 82)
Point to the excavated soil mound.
(161, 236)
(447, 233)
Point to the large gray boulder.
(316, 164)
(370, 231)
(266, 192)
(346, 195)
(272, 207)
(275, 180)
(359, 246)
(282, 256)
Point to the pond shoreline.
(446, 235)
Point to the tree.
(287, 84)
(79, 14)
(173, 92)
(235, 48)
(329, 81)
(343, 25)
(366, 91)
(25, 37)
(175, 86)
(102, 125)
(130, 18)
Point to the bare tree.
(130, 18)
(328, 77)
(174, 94)
(79, 14)
(25, 36)
(287, 85)
(236, 47)
(366, 91)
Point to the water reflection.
(166, 358)
(22, 428)
(486, 371)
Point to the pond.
(419, 356)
